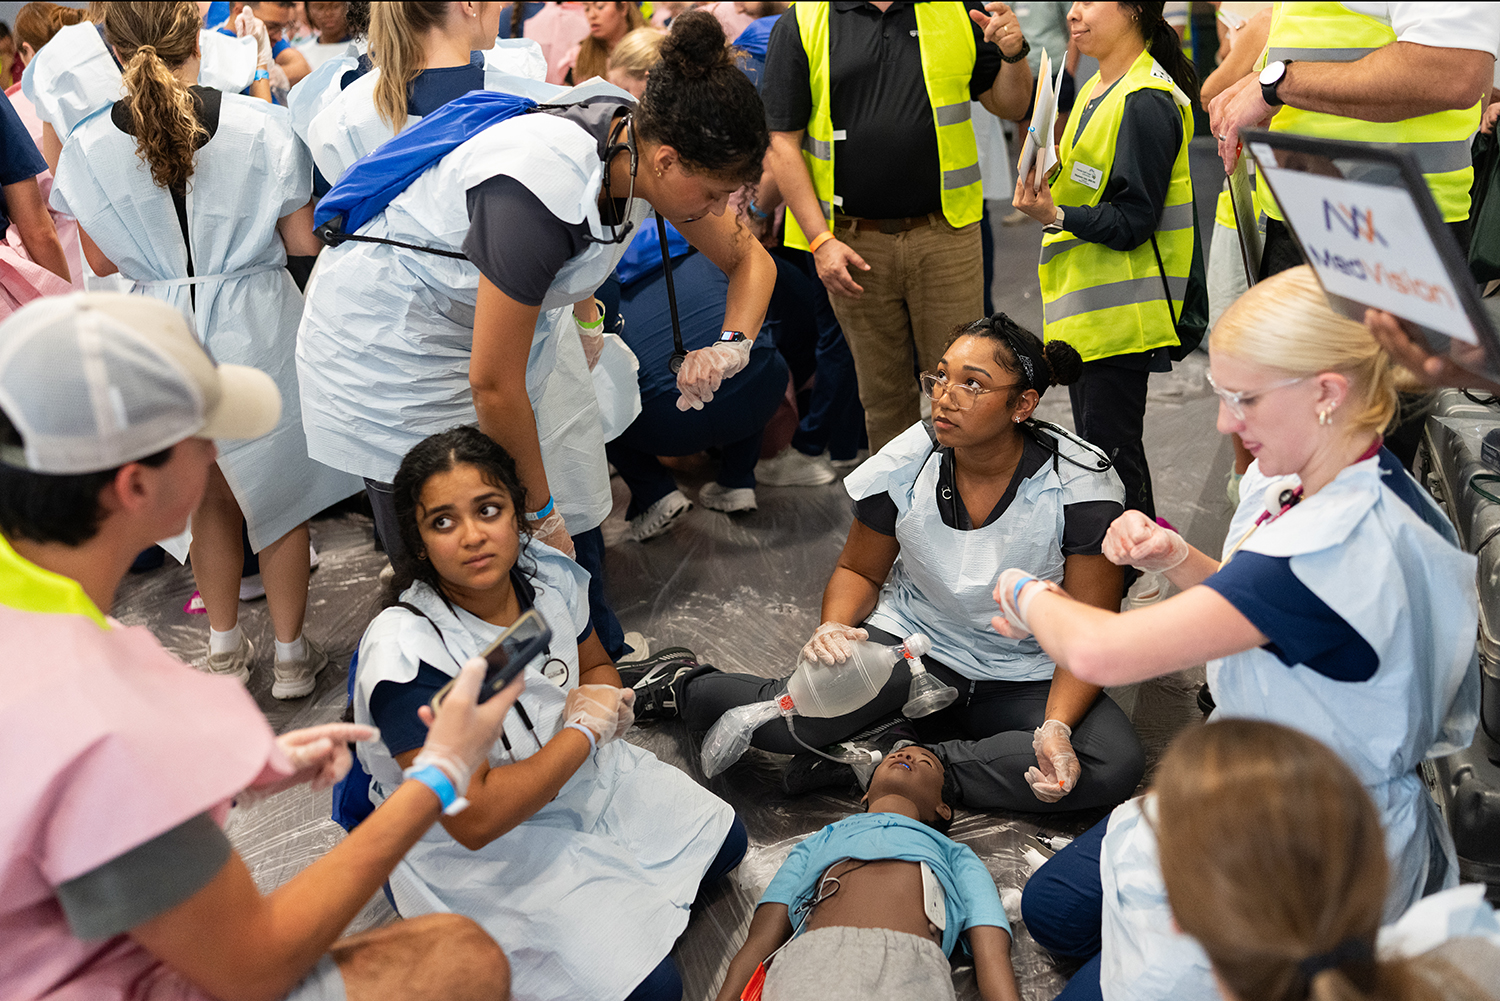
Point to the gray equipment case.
(1467, 784)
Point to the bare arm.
(992, 968)
(1398, 81)
(769, 930)
(501, 799)
(1094, 581)
(294, 64)
(861, 571)
(23, 201)
(751, 272)
(1108, 648)
(51, 147)
(833, 257)
(240, 946)
(594, 665)
(297, 233)
(503, 329)
(1245, 46)
(1009, 95)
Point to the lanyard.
(1291, 497)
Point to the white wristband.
(593, 741)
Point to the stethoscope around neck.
(620, 228)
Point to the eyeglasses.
(962, 394)
(1238, 401)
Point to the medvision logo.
(1358, 224)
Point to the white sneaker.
(659, 517)
(296, 678)
(842, 466)
(730, 500)
(252, 588)
(791, 468)
(640, 649)
(235, 664)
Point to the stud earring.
(1325, 417)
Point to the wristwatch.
(730, 336)
(1025, 51)
(1270, 79)
(1055, 226)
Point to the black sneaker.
(808, 772)
(1206, 702)
(653, 679)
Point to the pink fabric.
(730, 19)
(66, 225)
(106, 741)
(558, 28)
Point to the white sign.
(1367, 243)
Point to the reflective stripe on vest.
(1108, 302)
(1332, 33)
(946, 41)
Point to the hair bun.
(1064, 361)
(696, 44)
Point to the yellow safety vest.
(1110, 302)
(1332, 33)
(27, 587)
(946, 39)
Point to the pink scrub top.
(106, 742)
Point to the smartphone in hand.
(520, 645)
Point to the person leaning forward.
(873, 148)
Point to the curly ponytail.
(698, 102)
(1165, 46)
(151, 40)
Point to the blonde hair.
(593, 55)
(151, 40)
(1273, 855)
(396, 31)
(637, 52)
(36, 23)
(1286, 323)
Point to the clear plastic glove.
(554, 532)
(832, 643)
(1057, 769)
(590, 331)
(598, 708)
(1014, 592)
(317, 754)
(1134, 540)
(460, 733)
(704, 371)
(247, 25)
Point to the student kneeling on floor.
(119, 762)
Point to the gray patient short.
(859, 964)
(322, 983)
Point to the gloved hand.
(832, 643)
(554, 532)
(590, 332)
(460, 733)
(598, 708)
(1057, 769)
(317, 754)
(704, 371)
(246, 24)
(1133, 540)
(1014, 593)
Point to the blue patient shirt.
(972, 897)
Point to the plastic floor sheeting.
(743, 592)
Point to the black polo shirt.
(887, 165)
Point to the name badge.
(1089, 177)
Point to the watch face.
(1272, 74)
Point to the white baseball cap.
(94, 380)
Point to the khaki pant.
(921, 285)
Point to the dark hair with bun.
(698, 102)
(1021, 353)
(1165, 45)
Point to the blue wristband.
(261, 75)
(434, 778)
(593, 741)
(1015, 596)
(546, 510)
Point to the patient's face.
(913, 772)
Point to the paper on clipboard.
(1038, 145)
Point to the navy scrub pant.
(984, 739)
(1063, 907)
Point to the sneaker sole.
(725, 508)
(242, 675)
(821, 480)
(656, 532)
(300, 688)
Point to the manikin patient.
(847, 917)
